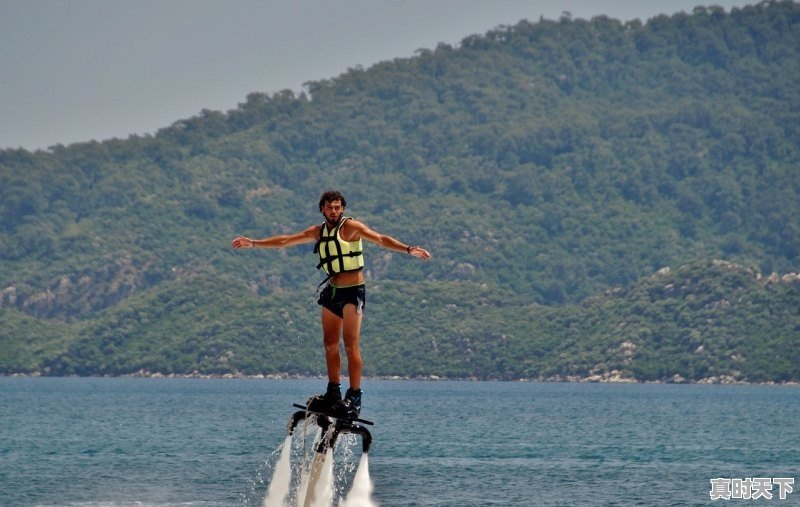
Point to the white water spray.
(305, 474)
(305, 466)
(281, 478)
(360, 493)
(323, 494)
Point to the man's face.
(333, 210)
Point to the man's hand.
(419, 252)
(242, 242)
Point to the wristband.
(408, 249)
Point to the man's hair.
(330, 196)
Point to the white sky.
(77, 70)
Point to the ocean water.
(122, 442)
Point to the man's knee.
(331, 343)
(351, 347)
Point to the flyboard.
(332, 425)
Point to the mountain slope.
(707, 321)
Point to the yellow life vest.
(335, 254)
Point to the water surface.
(211, 443)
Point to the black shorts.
(334, 298)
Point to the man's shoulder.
(313, 231)
(350, 228)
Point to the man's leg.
(331, 330)
(351, 331)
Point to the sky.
(81, 70)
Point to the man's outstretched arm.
(361, 230)
(280, 241)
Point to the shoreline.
(573, 379)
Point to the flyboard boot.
(325, 403)
(350, 407)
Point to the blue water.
(212, 443)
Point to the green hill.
(543, 164)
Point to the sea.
(158, 442)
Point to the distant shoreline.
(572, 379)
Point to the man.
(338, 243)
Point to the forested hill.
(544, 164)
